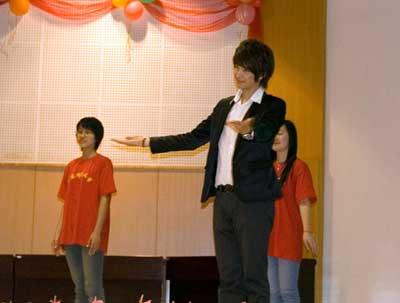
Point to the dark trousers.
(241, 232)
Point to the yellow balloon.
(19, 7)
(120, 3)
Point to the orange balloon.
(245, 14)
(19, 7)
(120, 3)
(257, 3)
(134, 10)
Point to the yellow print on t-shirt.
(80, 175)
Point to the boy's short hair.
(257, 57)
(93, 124)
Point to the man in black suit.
(238, 172)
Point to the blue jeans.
(86, 273)
(283, 278)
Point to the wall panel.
(47, 209)
(296, 32)
(16, 209)
(134, 213)
(184, 225)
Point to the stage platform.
(38, 278)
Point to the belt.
(225, 188)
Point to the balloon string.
(10, 37)
(128, 43)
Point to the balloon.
(257, 3)
(134, 10)
(245, 14)
(120, 3)
(232, 2)
(19, 7)
(146, 1)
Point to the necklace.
(279, 166)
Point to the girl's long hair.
(292, 152)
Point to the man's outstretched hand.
(132, 141)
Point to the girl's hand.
(56, 248)
(310, 243)
(94, 243)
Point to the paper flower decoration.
(141, 300)
(55, 300)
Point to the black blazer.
(253, 176)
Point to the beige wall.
(155, 212)
(361, 240)
(17, 190)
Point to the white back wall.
(362, 167)
(148, 80)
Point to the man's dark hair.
(256, 57)
(94, 125)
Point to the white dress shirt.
(227, 141)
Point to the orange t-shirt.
(286, 239)
(84, 182)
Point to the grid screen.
(143, 78)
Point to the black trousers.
(241, 232)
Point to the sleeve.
(62, 191)
(106, 181)
(267, 125)
(304, 184)
(199, 136)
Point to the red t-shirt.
(84, 182)
(286, 239)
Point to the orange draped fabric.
(75, 10)
(194, 16)
(255, 28)
(189, 15)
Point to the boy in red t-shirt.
(292, 223)
(86, 190)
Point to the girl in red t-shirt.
(85, 190)
(292, 221)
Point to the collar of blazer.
(255, 106)
(221, 118)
